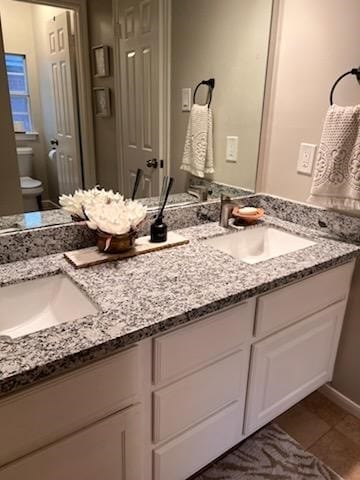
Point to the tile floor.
(327, 431)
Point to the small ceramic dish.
(248, 218)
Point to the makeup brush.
(137, 182)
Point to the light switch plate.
(186, 99)
(232, 149)
(306, 158)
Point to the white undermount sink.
(255, 245)
(37, 304)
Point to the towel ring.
(353, 71)
(211, 84)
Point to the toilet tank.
(25, 159)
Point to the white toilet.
(31, 188)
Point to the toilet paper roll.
(52, 155)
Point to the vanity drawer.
(290, 304)
(45, 413)
(193, 346)
(199, 395)
(185, 455)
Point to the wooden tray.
(87, 257)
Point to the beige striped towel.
(198, 157)
(336, 181)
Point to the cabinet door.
(107, 450)
(289, 365)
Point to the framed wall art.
(101, 61)
(102, 101)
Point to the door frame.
(83, 71)
(164, 90)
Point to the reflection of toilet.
(31, 188)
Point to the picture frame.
(101, 64)
(102, 101)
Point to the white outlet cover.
(306, 158)
(185, 99)
(232, 149)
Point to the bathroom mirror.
(103, 88)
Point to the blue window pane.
(16, 71)
(15, 63)
(20, 117)
(19, 104)
(17, 83)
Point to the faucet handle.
(224, 198)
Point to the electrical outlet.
(232, 149)
(306, 158)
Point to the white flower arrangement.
(81, 200)
(104, 210)
(116, 218)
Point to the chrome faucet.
(226, 207)
(199, 191)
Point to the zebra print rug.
(270, 454)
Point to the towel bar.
(353, 71)
(211, 84)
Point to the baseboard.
(344, 402)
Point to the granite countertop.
(26, 221)
(151, 293)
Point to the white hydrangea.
(115, 218)
(82, 199)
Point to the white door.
(289, 365)
(107, 450)
(61, 56)
(139, 66)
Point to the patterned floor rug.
(270, 454)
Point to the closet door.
(107, 450)
(139, 72)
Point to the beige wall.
(316, 42)
(16, 19)
(101, 32)
(228, 41)
(10, 193)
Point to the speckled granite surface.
(145, 295)
(26, 221)
(54, 239)
(39, 242)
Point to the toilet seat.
(31, 186)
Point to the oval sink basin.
(37, 304)
(256, 245)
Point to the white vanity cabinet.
(82, 425)
(297, 331)
(222, 378)
(287, 366)
(199, 385)
(106, 450)
(166, 407)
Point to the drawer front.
(193, 450)
(289, 365)
(107, 450)
(290, 304)
(191, 347)
(190, 400)
(58, 407)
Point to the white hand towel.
(198, 157)
(336, 182)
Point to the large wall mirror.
(99, 89)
